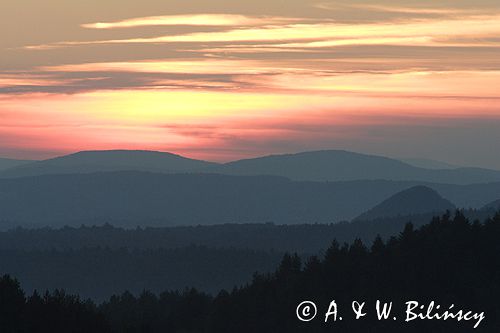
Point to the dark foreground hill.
(413, 201)
(449, 262)
(99, 261)
(146, 199)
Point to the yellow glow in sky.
(221, 79)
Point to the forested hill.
(300, 238)
(449, 261)
(97, 262)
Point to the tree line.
(98, 273)
(300, 238)
(451, 260)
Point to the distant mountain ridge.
(131, 198)
(340, 165)
(326, 165)
(110, 160)
(428, 163)
(413, 201)
(7, 163)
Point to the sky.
(222, 80)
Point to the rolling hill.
(110, 160)
(413, 201)
(339, 165)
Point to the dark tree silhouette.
(449, 261)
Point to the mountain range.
(130, 188)
(327, 165)
(131, 198)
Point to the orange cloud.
(400, 9)
(251, 81)
(194, 66)
(193, 19)
(342, 34)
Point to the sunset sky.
(224, 79)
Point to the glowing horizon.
(399, 79)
